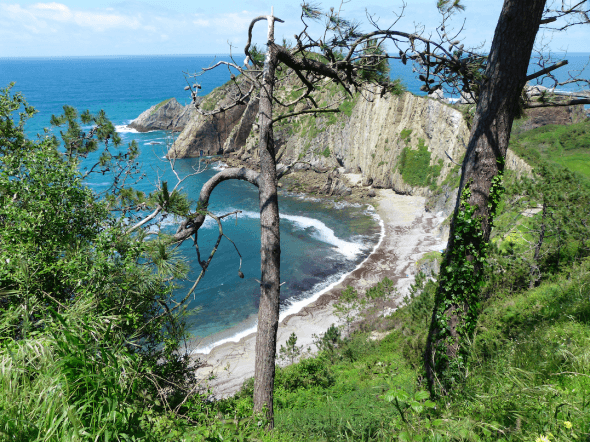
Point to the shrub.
(307, 373)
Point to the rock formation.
(372, 138)
(207, 135)
(167, 115)
(543, 116)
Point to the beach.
(408, 232)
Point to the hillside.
(529, 372)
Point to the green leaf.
(421, 395)
(404, 436)
(416, 406)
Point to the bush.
(87, 340)
(307, 373)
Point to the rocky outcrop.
(543, 116)
(402, 142)
(334, 186)
(207, 134)
(167, 115)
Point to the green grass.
(568, 146)
(529, 375)
(159, 105)
(348, 105)
(430, 256)
(405, 133)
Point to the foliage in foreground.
(82, 326)
(88, 346)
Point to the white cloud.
(101, 21)
(46, 15)
(51, 11)
(140, 27)
(201, 22)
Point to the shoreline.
(407, 232)
(236, 333)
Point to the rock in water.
(167, 115)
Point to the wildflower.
(568, 425)
(542, 438)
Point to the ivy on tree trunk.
(456, 303)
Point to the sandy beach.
(408, 232)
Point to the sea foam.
(293, 306)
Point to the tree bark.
(535, 272)
(270, 249)
(455, 311)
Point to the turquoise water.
(320, 242)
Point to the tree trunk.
(456, 303)
(535, 272)
(270, 249)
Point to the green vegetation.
(405, 133)
(159, 105)
(348, 105)
(461, 279)
(88, 346)
(414, 165)
(430, 256)
(568, 146)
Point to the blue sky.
(146, 27)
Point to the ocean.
(320, 241)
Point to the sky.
(175, 27)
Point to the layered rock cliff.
(167, 115)
(207, 134)
(403, 142)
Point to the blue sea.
(320, 241)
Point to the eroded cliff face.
(381, 131)
(207, 134)
(403, 142)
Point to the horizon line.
(2, 57)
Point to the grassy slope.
(568, 146)
(529, 375)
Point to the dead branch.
(194, 222)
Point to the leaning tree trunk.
(270, 249)
(457, 304)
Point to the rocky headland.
(166, 115)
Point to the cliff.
(563, 115)
(208, 134)
(167, 115)
(402, 142)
